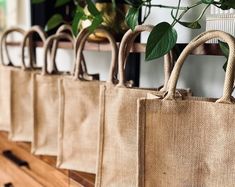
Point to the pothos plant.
(163, 36)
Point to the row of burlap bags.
(60, 112)
(107, 128)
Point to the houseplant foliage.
(91, 13)
(162, 38)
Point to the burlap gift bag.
(79, 110)
(117, 164)
(5, 80)
(46, 101)
(189, 141)
(22, 115)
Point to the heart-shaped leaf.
(207, 1)
(92, 8)
(95, 23)
(37, 1)
(160, 41)
(61, 2)
(227, 4)
(79, 15)
(134, 3)
(225, 50)
(132, 17)
(191, 25)
(54, 21)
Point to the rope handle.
(3, 44)
(199, 40)
(65, 28)
(28, 34)
(81, 40)
(124, 50)
(48, 43)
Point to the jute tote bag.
(22, 117)
(117, 164)
(189, 141)
(46, 102)
(5, 80)
(79, 110)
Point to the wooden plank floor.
(42, 168)
(9, 173)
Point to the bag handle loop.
(125, 46)
(65, 28)
(81, 40)
(199, 40)
(49, 41)
(29, 33)
(3, 44)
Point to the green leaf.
(227, 4)
(135, 3)
(225, 50)
(79, 15)
(160, 41)
(38, 1)
(92, 8)
(54, 21)
(132, 17)
(191, 25)
(207, 1)
(61, 2)
(225, 65)
(95, 23)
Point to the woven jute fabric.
(5, 80)
(46, 103)
(5, 109)
(117, 164)
(22, 84)
(21, 106)
(188, 141)
(79, 110)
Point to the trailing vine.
(163, 36)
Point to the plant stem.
(146, 14)
(185, 11)
(203, 12)
(177, 11)
(166, 6)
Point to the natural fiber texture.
(22, 81)
(79, 110)
(46, 103)
(117, 165)
(189, 141)
(5, 81)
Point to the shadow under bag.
(189, 141)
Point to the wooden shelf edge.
(206, 49)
